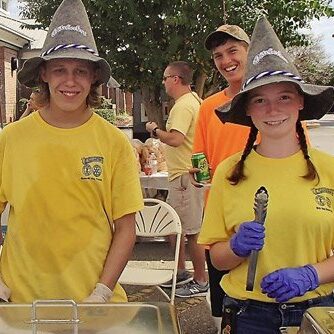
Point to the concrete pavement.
(193, 313)
(322, 136)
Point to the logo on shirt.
(323, 198)
(92, 168)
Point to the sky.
(323, 28)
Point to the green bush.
(22, 104)
(105, 103)
(107, 114)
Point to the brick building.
(13, 40)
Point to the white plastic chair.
(157, 219)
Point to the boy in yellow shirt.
(69, 176)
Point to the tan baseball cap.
(226, 29)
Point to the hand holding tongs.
(260, 210)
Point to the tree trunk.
(200, 82)
(152, 102)
(216, 84)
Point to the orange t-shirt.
(214, 138)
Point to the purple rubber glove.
(284, 284)
(250, 236)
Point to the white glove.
(101, 294)
(4, 291)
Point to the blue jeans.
(255, 317)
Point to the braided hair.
(237, 174)
(312, 173)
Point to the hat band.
(269, 74)
(69, 46)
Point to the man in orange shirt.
(218, 141)
(228, 45)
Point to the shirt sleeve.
(126, 194)
(181, 119)
(214, 228)
(200, 131)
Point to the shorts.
(188, 202)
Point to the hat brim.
(29, 73)
(318, 100)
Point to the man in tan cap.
(228, 46)
(69, 176)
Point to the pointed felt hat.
(69, 36)
(267, 63)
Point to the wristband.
(154, 132)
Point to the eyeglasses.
(165, 77)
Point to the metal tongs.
(260, 210)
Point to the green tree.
(140, 37)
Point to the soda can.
(199, 161)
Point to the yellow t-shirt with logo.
(65, 187)
(182, 118)
(299, 223)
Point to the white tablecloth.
(155, 181)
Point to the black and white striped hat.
(69, 36)
(268, 63)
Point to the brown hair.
(312, 173)
(184, 71)
(221, 39)
(237, 173)
(43, 97)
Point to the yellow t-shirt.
(182, 118)
(65, 187)
(299, 223)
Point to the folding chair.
(157, 219)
